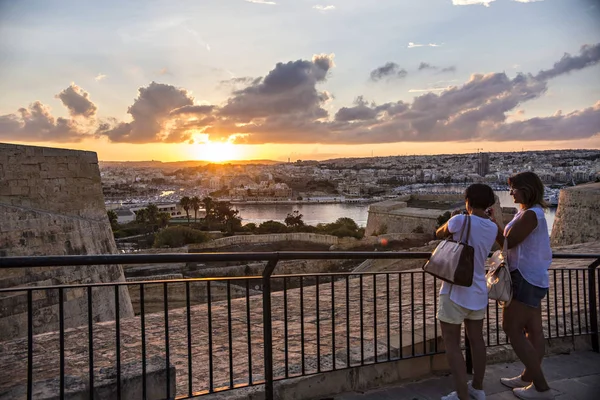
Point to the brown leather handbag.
(452, 261)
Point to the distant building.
(483, 164)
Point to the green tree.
(113, 219)
(163, 219)
(227, 215)
(141, 216)
(208, 207)
(185, 203)
(294, 219)
(195, 205)
(178, 236)
(152, 213)
(272, 227)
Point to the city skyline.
(239, 80)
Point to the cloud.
(427, 66)
(588, 55)
(389, 70)
(527, 1)
(77, 101)
(262, 2)
(287, 106)
(36, 124)
(472, 2)
(290, 88)
(324, 8)
(424, 65)
(99, 77)
(150, 114)
(412, 45)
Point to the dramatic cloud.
(36, 124)
(77, 101)
(389, 70)
(472, 2)
(289, 88)
(427, 66)
(588, 55)
(150, 113)
(99, 77)
(324, 8)
(262, 2)
(193, 110)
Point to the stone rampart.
(51, 203)
(577, 216)
(270, 238)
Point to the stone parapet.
(577, 216)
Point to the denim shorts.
(525, 292)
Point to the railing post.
(267, 328)
(593, 304)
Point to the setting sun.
(217, 151)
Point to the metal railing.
(222, 333)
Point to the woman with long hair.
(460, 304)
(529, 258)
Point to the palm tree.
(185, 204)
(208, 207)
(163, 219)
(152, 213)
(195, 204)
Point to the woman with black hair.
(458, 304)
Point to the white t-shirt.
(482, 238)
(533, 256)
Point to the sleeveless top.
(533, 256)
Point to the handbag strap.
(505, 249)
(466, 222)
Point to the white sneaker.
(515, 382)
(475, 394)
(530, 392)
(451, 396)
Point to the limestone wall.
(270, 238)
(51, 203)
(577, 216)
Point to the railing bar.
(118, 339)
(549, 313)
(348, 320)
(249, 333)
(571, 303)
(375, 352)
(387, 317)
(167, 349)
(61, 328)
(285, 326)
(30, 344)
(318, 314)
(211, 386)
(487, 321)
(556, 304)
(230, 334)
(400, 328)
(578, 300)
(143, 330)
(188, 311)
(90, 342)
(412, 312)
(362, 350)
(564, 308)
(424, 317)
(333, 357)
(497, 323)
(302, 349)
(435, 323)
(585, 308)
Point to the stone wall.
(51, 203)
(578, 215)
(270, 238)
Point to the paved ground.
(572, 377)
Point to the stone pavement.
(574, 376)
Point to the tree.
(113, 219)
(152, 213)
(225, 214)
(163, 219)
(195, 205)
(185, 203)
(442, 219)
(141, 216)
(294, 219)
(208, 207)
(272, 227)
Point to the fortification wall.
(577, 216)
(51, 203)
(271, 238)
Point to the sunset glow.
(217, 151)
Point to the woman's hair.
(532, 187)
(480, 196)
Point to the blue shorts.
(526, 293)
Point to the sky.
(299, 79)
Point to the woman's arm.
(521, 228)
(442, 231)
